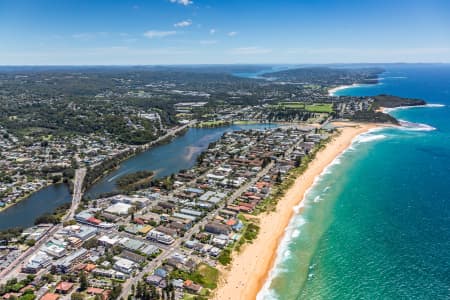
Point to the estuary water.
(181, 153)
(376, 224)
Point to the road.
(175, 247)
(15, 267)
(77, 193)
(169, 133)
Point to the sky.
(157, 32)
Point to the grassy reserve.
(313, 107)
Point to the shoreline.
(332, 91)
(250, 268)
(26, 196)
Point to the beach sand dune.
(250, 267)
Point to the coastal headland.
(250, 268)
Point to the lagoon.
(181, 153)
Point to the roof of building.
(50, 296)
(119, 208)
(94, 291)
(64, 286)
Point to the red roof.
(27, 288)
(50, 296)
(244, 208)
(9, 295)
(64, 286)
(139, 221)
(95, 291)
(90, 267)
(231, 222)
(94, 220)
(249, 205)
(261, 184)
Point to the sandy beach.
(250, 267)
(332, 91)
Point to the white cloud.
(369, 51)
(85, 36)
(212, 31)
(232, 33)
(158, 34)
(249, 51)
(131, 40)
(184, 23)
(208, 42)
(183, 2)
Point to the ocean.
(376, 224)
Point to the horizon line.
(220, 64)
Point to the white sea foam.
(293, 231)
(395, 77)
(430, 105)
(332, 92)
(267, 294)
(365, 138)
(410, 126)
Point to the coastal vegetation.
(55, 217)
(96, 172)
(374, 115)
(135, 181)
(327, 76)
(279, 190)
(204, 274)
(212, 124)
(390, 101)
(9, 234)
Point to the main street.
(77, 193)
(13, 270)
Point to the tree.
(77, 296)
(30, 242)
(83, 281)
(279, 178)
(116, 290)
(27, 296)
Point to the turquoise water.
(376, 225)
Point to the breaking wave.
(366, 138)
(430, 105)
(311, 196)
(410, 126)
